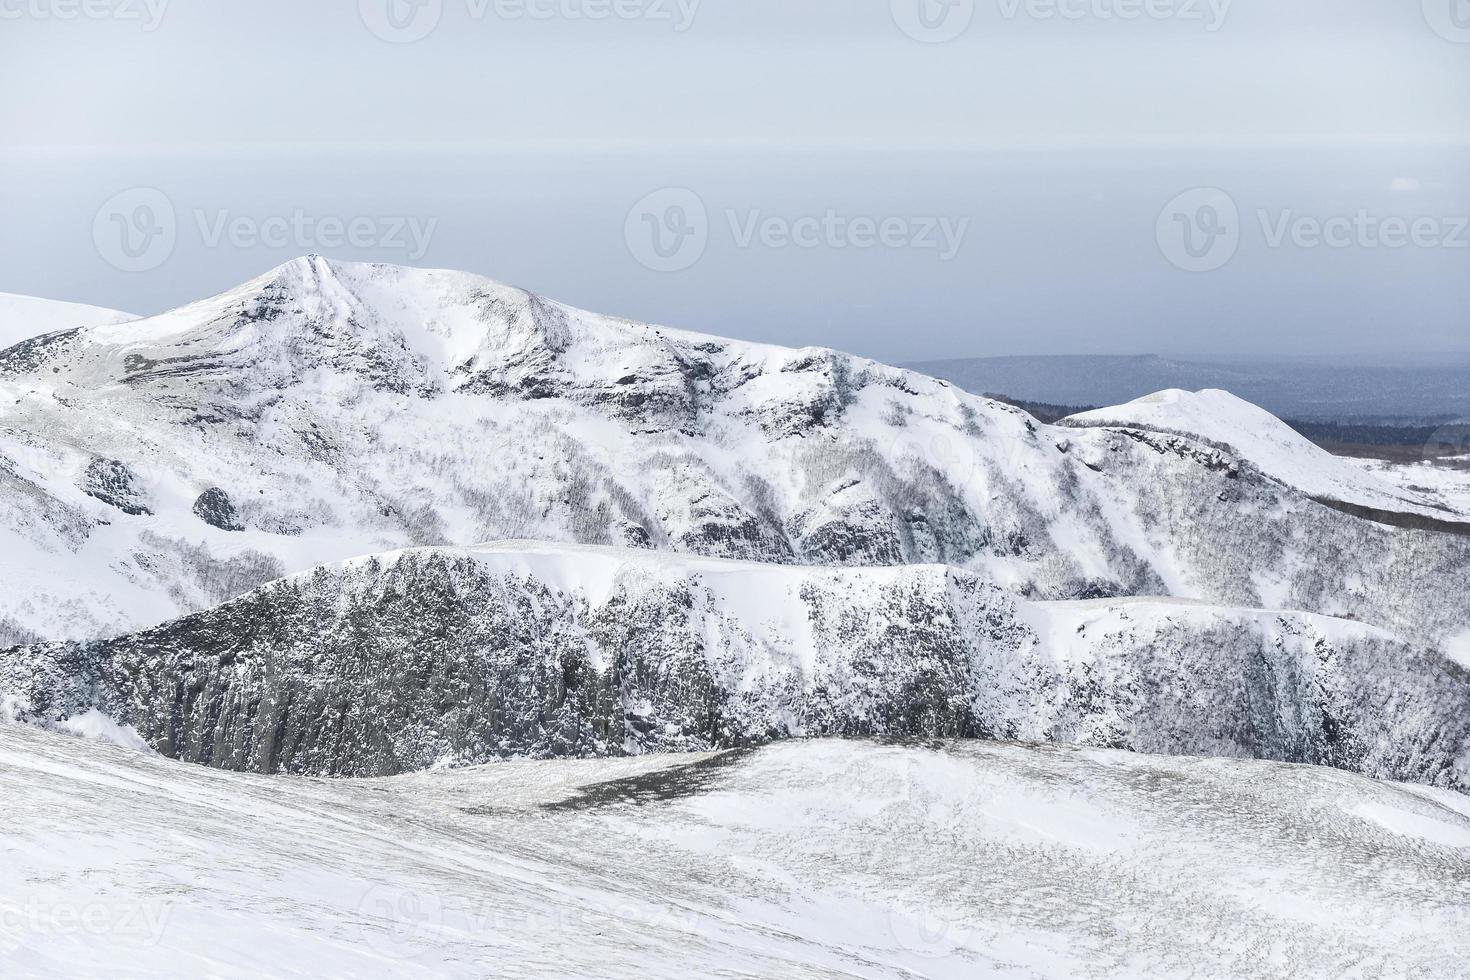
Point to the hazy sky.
(908, 179)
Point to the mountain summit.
(327, 410)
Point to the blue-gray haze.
(1046, 137)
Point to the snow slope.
(327, 410)
(24, 317)
(1272, 446)
(815, 859)
(1443, 482)
(434, 657)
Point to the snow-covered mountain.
(1444, 482)
(328, 410)
(802, 860)
(431, 657)
(24, 317)
(1220, 418)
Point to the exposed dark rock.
(113, 482)
(400, 663)
(215, 508)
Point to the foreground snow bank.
(814, 859)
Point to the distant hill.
(1403, 391)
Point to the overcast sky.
(913, 179)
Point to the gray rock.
(215, 508)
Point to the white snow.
(24, 317)
(1444, 481)
(1257, 436)
(815, 859)
(350, 409)
(1448, 833)
(1457, 648)
(93, 724)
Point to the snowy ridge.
(24, 317)
(1444, 482)
(1272, 446)
(807, 860)
(327, 409)
(458, 656)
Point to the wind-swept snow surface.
(1272, 446)
(327, 410)
(817, 859)
(24, 317)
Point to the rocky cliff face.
(406, 661)
(327, 410)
